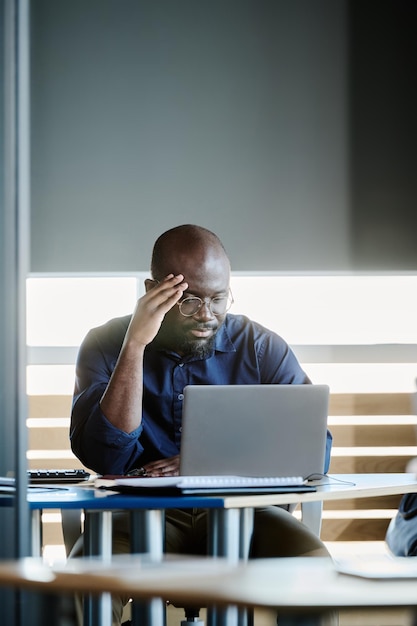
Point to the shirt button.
(180, 429)
(181, 396)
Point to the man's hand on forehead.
(153, 306)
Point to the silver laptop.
(254, 430)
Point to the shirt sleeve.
(98, 444)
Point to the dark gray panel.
(384, 134)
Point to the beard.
(178, 339)
(199, 348)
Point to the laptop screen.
(254, 430)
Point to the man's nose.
(205, 311)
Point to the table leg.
(230, 531)
(245, 616)
(36, 537)
(98, 542)
(311, 515)
(246, 530)
(147, 537)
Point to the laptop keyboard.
(40, 476)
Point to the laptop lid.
(254, 430)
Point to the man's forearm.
(121, 403)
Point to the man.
(131, 373)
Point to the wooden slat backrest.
(371, 404)
(49, 448)
(48, 433)
(372, 433)
(49, 406)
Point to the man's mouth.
(202, 332)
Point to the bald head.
(199, 256)
(183, 245)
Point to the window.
(355, 333)
(60, 311)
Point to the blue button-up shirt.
(244, 353)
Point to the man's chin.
(186, 344)
(198, 347)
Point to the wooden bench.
(372, 433)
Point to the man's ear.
(150, 284)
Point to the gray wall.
(150, 113)
(255, 118)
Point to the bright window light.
(55, 380)
(364, 377)
(341, 377)
(331, 310)
(311, 311)
(61, 310)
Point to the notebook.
(254, 430)
(204, 485)
(377, 566)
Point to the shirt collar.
(223, 343)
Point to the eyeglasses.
(219, 305)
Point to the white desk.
(335, 487)
(332, 487)
(221, 507)
(291, 583)
(310, 585)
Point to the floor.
(354, 618)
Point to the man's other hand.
(163, 467)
